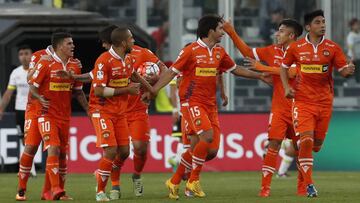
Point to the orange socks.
(306, 158)
(24, 169)
(52, 168)
(268, 167)
(139, 163)
(198, 159)
(104, 172)
(62, 172)
(185, 165)
(115, 173)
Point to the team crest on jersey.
(217, 56)
(326, 53)
(198, 122)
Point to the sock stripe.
(269, 167)
(306, 164)
(24, 167)
(185, 163)
(24, 171)
(197, 162)
(268, 170)
(104, 174)
(306, 159)
(198, 159)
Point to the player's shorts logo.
(46, 138)
(106, 135)
(314, 68)
(198, 122)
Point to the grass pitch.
(219, 187)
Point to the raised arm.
(244, 49)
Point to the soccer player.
(315, 58)
(280, 122)
(109, 103)
(200, 63)
(32, 137)
(137, 116)
(53, 107)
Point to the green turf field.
(219, 187)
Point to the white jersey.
(18, 82)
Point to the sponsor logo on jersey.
(314, 68)
(205, 72)
(123, 82)
(55, 86)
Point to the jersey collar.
(48, 50)
(115, 55)
(315, 47)
(57, 59)
(203, 44)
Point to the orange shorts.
(201, 118)
(314, 118)
(281, 126)
(110, 130)
(32, 135)
(54, 132)
(138, 123)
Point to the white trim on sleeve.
(175, 70)
(255, 54)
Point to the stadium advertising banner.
(241, 146)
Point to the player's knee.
(54, 151)
(124, 153)
(316, 148)
(207, 136)
(31, 149)
(211, 154)
(317, 145)
(274, 144)
(140, 152)
(110, 152)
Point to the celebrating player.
(200, 63)
(280, 122)
(315, 58)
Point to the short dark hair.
(353, 21)
(280, 11)
(105, 33)
(309, 17)
(118, 35)
(207, 23)
(298, 29)
(23, 47)
(58, 37)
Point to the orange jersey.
(272, 55)
(56, 90)
(199, 66)
(35, 58)
(314, 82)
(140, 55)
(110, 71)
